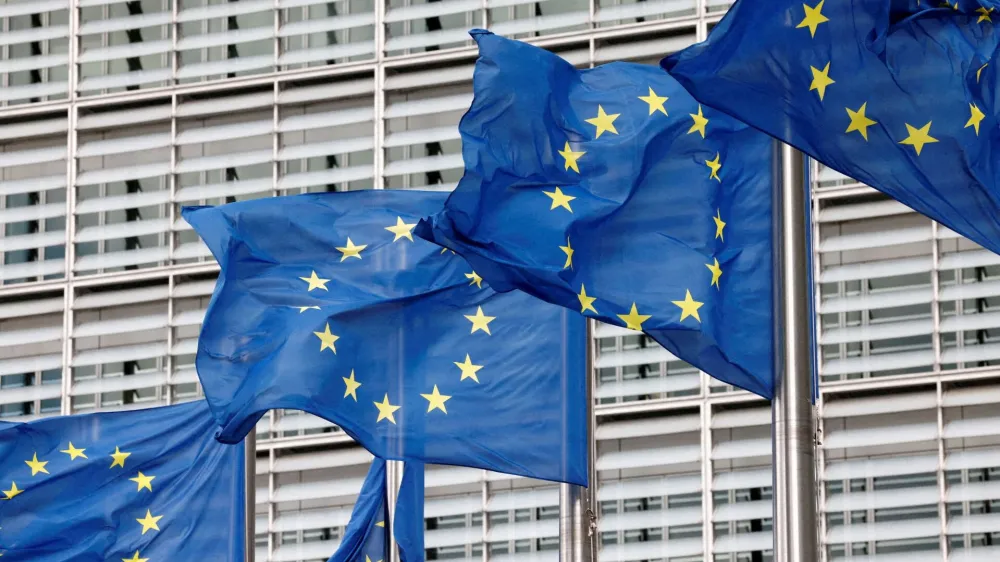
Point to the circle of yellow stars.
(560, 201)
(143, 481)
(480, 321)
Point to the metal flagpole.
(577, 519)
(393, 477)
(794, 520)
(249, 494)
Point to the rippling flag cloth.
(898, 95)
(611, 192)
(134, 486)
(327, 303)
(365, 539)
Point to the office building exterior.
(114, 115)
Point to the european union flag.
(365, 539)
(408, 527)
(327, 303)
(610, 191)
(134, 486)
(898, 95)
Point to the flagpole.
(249, 494)
(577, 519)
(393, 479)
(794, 519)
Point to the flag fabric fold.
(327, 303)
(900, 95)
(611, 192)
(408, 526)
(365, 538)
(138, 485)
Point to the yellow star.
(716, 272)
(475, 279)
(135, 558)
(401, 230)
(73, 452)
(443, 250)
(143, 481)
(821, 79)
(468, 369)
(568, 250)
(119, 458)
(980, 71)
(36, 465)
(689, 307)
(149, 522)
(367, 559)
(814, 17)
(352, 386)
(859, 121)
(984, 15)
(975, 118)
(305, 308)
(571, 157)
(633, 320)
(315, 282)
(327, 339)
(917, 138)
(436, 400)
(559, 199)
(700, 122)
(719, 225)
(479, 321)
(655, 102)
(380, 524)
(604, 122)
(385, 410)
(13, 491)
(715, 166)
(586, 302)
(350, 250)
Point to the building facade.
(115, 114)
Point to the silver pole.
(249, 494)
(577, 519)
(795, 525)
(393, 477)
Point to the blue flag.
(611, 192)
(898, 95)
(365, 539)
(327, 303)
(142, 485)
(408, 526)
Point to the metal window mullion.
(935, 296)
(271, 507)
(169, 366)
(821, 476)
(942, 486)
(5, 55)
(276, 44)
(707, 477)
(72, 70)
(485, 555)
(175, 31)
(959, 311)
(275, 136)
(378, 158)
(379, 32)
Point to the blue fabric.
(908, 64)
(408, 527)
(406, 314)
(640, 229)
(77, 503)
(365, 539)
